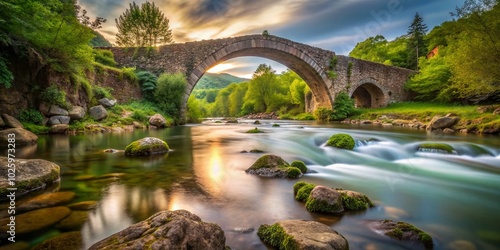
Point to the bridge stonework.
(372, 84)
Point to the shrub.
(300, 165)
(147, 82)
(31, 116)
(323, 114)
(100, 92)
(169, 93)
(343, 107)
(129, 73)
(52, 95)
(104, 57)
(343, 141)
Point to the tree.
(260, 89)
(169, 91)
(416, 45)
(143, 26)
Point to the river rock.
(23, 136)
(45, 200)
(59, 129)
(36, 220)
(77, 113)
(2, 123)
(30, 175)
(11, 122)
(442, 122)
(71, 240)
(402, 231)
(302, 234)
(83, 206)
(343, 141)
(158, 121)
(273, 166)
(325, 200)
(57, 111)
(59, 119)
(355, 201)
(147, 146)
(167, 230)
(106, 102)
(98, 112)
(74, 221)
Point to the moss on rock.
(354, 201)
(443, 147)
(147, 146)
(343, 141)
(300, 165)
(293, 172)
(269, 161)
(324, 200)
(254, 131)
(403, 231)
(304, 192)
(276, 236)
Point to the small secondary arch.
(369, 95)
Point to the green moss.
(218, 122)
(36, 129)
(269, 161)
(300, 165)
(254, 131)
(276, 236)
(314, 205)
(353, 203)
(396, 233)
(256, 151)
(304, 191)
(293, 172)
(298, 185)
(437, 146)
(402, 227)
(343, 141)
(276, 125)
(138, 148)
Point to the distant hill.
(217, 81)
(99, 41)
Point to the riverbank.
(469, 119)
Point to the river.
(453, 197)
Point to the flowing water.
(453, 197)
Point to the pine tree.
(416, 45)
(143, 26)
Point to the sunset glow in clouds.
(335, 25)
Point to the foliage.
(129, 73)
(6, 76)
(99, 41)
(343, 107)
(31, 116)
(101, 92)
(331, 68)
(143, 26)
(416, 44)
(323, 114)
(265, 33)
(169, 92)
(194, 110)
(52, 95)
(104, 57)
(36, 129)
(433, 78)
(378, 49)
(147, 82)
(343, 141)
(217, 81)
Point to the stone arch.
(291, 56)
(370, 94)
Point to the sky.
(336, 25)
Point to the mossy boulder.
(324, 200)
(167, 230)
(254, 131)
(30, 175)
(343, 141)
(146, 146)
(300, 165)
(273, 166)
(436, 147)
(354, 201)
(45, 200)
(74, 221)
(402, 231)
(301, 234)
(36, 220)
(71, 240)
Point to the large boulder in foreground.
(158, 121)
(23, 137)
(167, 230)
(147, 146)
(30, 175)
(402, 231)
(273, 166)
(301, 234)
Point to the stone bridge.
(371, 84)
